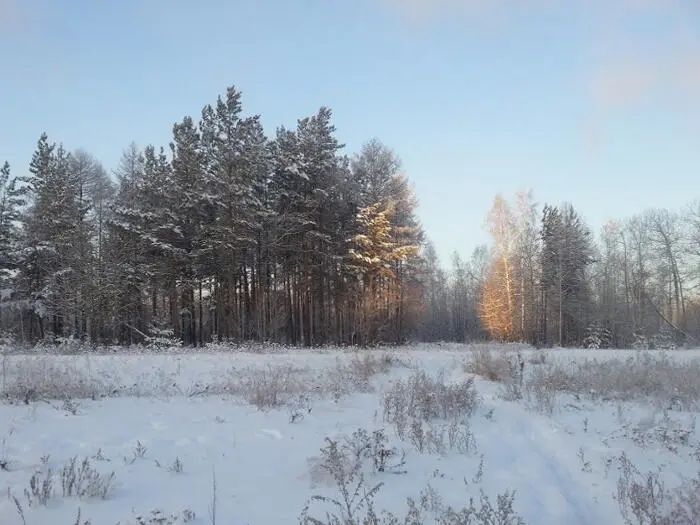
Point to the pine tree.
(156, 204)
(11, 201)
(238, 165)
(376, 172)
(183, 231)
(127, 268)
(373, 169)
(567, 252)
(54, 239)
(376, 252)
(307, 174)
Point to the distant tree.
(527, 253)
(636, 235)
(464, 293)
(691, 218)
(228, 235)
(610, 281)
(436, 325)
(567, 252)
(667, 240)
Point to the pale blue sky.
(599, 105)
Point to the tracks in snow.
(534, 456)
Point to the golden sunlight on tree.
(375, 257)
(495, 308)
(497, 305)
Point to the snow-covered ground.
(183, 435)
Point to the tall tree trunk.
(201, 315)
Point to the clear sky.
(596, 102)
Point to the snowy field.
(446, 434)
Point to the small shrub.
(355, 506)
(161, 338)
(41, 488)
(540, 390)
(505, 368)
(270, 387)
(436, 438)
(687, 508)
(460, 437)
(99, 456)
(158, 517)
(77, 478)
(177, 466)
(366, 365)
(139, 452)
(503, 513)
(19, 508)
(644, 500)
(489, 365)
(423, 398)
(299, 408)
(538, 358)
(70, 406)
(665, 431)
(375, 448)
(597, 337)
(82, 480)
(356, 375)
(585, 464)
(354, 502)
(4, 458)
(640, 497)
(479, 475)
(427, 438)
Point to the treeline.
(550, 281)
(230, 235)
(227, 235)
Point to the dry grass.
(43, 378)
(353, 502)
(421, 398)
(645, 500)
(491, 365)
(270, 387)
(659, 379)
(26, 379)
